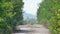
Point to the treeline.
(30, 21)
(10, 15)
(49, 15)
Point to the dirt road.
(31, 29)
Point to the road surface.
(31, 29)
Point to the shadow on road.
(22, 31)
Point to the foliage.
(10, 15)
(18, 4)
(30, 21)
(50, 10)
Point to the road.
(31, 29)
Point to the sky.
(31, 6)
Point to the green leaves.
(50, 9)
(10, 14)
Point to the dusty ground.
(31, 29)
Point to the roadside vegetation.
(49, 15)
(10, 15)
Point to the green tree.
(18, 18)
(10, 15)
(44, 13)
(5, 13)
(50, 10)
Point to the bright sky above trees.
(31, 6)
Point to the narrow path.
(31, 29)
